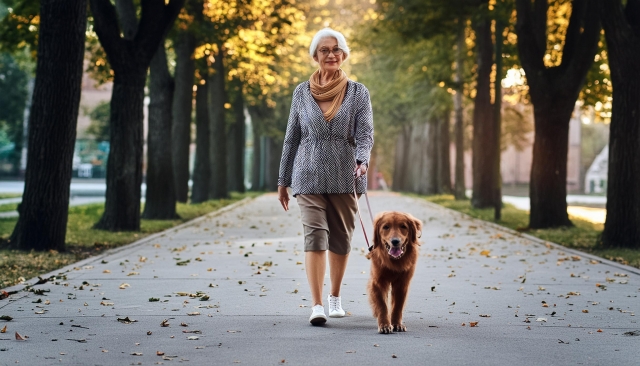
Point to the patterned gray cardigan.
(317, 157)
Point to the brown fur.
(390, 277)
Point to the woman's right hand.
(283, 197)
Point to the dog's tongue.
(395, 252)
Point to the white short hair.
(329, 33)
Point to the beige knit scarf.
(332, 91)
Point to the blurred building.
(595, 180)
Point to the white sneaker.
(335, 307)
(317, 315)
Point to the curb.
(540, 241)
(135, 244)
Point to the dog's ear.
(416, 228)
(377, 225)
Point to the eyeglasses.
(335, 51)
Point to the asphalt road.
(534, 303)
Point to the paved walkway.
(231, 289)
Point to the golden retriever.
(393, 262)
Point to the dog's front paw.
(399, 328)
(385, 328)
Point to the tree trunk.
(401, 164)
(548, 184)
(129, 51)
(444, 163)
(257, 152)
(237, 145)
(124, 164)
(43, 212)
(622, 32)
(182, 106)
(274, 152)
(484, 138)
(430, 144)
(218, 130)
(497, 123)
(160, 201)
(553, 92)
(201, 170)
(459, 189)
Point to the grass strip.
(83, 241)
(583, 236)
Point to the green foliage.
(100, 116)
(19, 27)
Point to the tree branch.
(540, 9)
(105, 22)
(582, 46)
(155, 21)
(128, 19)
(632, 14)
(574, 34)
(531, 55)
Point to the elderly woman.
(325, 157)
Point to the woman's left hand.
(360, 170)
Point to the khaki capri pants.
(328, 221)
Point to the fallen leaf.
(585, 311)
(124, 285)
(193, 313)
(136, 354)
(541, 320)
(599, 330)
(165, 323)
(106, 271)
(473, 324)
(485, 315)
(4, 329)
(20, 338)
(351, 351)
(193, 338)
(394, 356)
(158, 353)
(126, 320)
(485, 252)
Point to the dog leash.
(364, 231)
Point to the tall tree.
(237, 140)
(130, 45)
(185, 45)
(160, 203)
(218, 128)
(484, 136)
(621, 24)
(201, 170)
(43, 212)
(553, 90)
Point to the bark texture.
(218, 130)
(202, 166)
(460, 187)
(129, 55)
(622, 32)
(182, 107)
(484, 137)
(444, 162)
(160, 203)
(553, 92)
(237, 142)
(42, 224)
